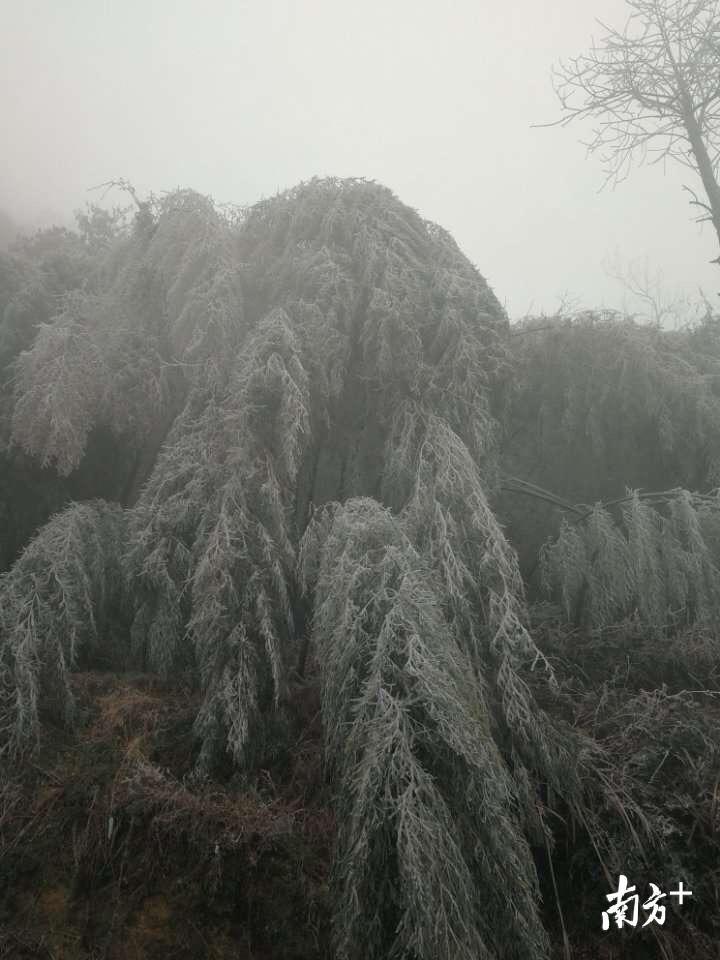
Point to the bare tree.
(654, 89)
(651, 296)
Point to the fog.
(242, 99)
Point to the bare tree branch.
(653, 91)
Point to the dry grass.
(110, 848)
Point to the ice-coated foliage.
(659, 560)
(211, 549)
(600, 403)
(164, 305)
(338, 326)
(428, 844)
(58, 602)
(313, 393)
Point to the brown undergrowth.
(111, 847)
(654, 707)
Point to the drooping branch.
(57, 604)
(425, 798)
(660, 560)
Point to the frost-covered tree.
(316, 393)
(427, 805)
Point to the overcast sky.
(433, 99)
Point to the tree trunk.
(704, 165)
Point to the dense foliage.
(318, 410)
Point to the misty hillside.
(339, 617)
